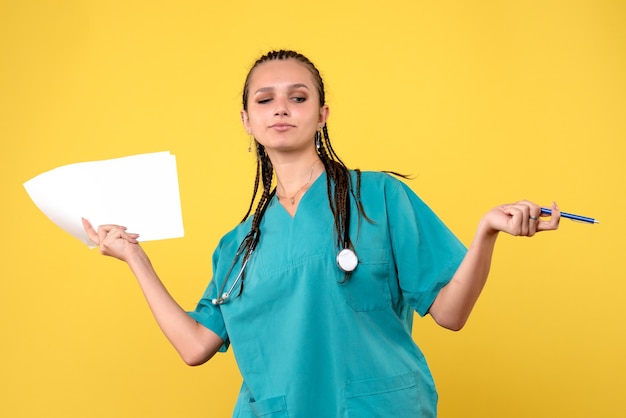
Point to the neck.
(293, 179)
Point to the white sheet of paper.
(139, 192)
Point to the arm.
(195, 343)
(455, 301)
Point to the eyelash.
(297, 99)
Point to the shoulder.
(374, 177)
(388, 192)
(381, 182)
(233, 238)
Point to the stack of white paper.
(139, 192)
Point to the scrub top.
(308, 343)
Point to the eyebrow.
(291, 87)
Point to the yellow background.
(482, 102)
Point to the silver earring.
(318, 139)
(250, 144)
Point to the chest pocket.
(367, 288)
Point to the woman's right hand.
(195, 343)
(113, 240)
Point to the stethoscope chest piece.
(347, 260)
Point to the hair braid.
(254, 190)
(337, 184)
(266, 172)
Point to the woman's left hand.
(455, 301)
(522, 218)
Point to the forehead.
(276, 72)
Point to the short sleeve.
(425, 251)
(208, 314)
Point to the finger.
(534, 218)
(120, 232)
(534, 215)
(103, 232)
(108, 232)
(516, 221)
(130, 237)
(554, 221)
(524, 217)
(91, 233)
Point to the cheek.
(252, 119)
(257, 112)
(256, 125)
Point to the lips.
(282, 126)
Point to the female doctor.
(316, 290)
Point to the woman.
(316, 291)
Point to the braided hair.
(338, 181)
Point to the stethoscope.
(346, 259)
(225, 295)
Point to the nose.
(281, 106)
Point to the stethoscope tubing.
(345, 253)
(220, 300)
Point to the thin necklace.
(292, 198)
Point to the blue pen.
(546, 211)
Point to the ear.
(245, 120)
(324, 113)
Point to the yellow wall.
(483, 102)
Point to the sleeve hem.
(219, 330)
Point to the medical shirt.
(308, 343)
